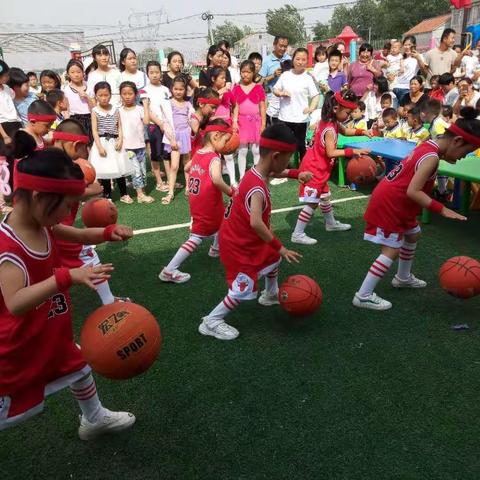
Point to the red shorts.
(313, 192)
(86, 258)
(21, 404)
(380, 236)
(243, 279)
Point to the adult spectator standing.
(226, 47)
(442, 58)
(214, 59)
(412, 63)
(271, 71)
(467, 97)
(362, 72)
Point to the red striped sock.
(85, 392)
(327, 210)
(378, 269)
(405, 260)
(184, 252)
(218, 314)
(304, 218)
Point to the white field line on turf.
(278, 210)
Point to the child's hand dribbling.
(290, 255)
(447, 213)
(87, 275)
(121, 233)
(304, 177)
(95, 189)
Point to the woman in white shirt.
(129, 71)
(103, 72)
(412, 63)
(298, 97)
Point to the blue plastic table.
(393, 151)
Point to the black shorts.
(155, 137)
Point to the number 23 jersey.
(35, 346)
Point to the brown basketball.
(361, 170)
(99, 212)
(300, 295)
(120, 340)
(460, 277)
(232, 145)
(88, 170)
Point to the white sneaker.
(411, 282)
(175, 277)
(278, 181)
(214, 252)
(222, 331)
(302, 239)
(111, 422)
(372, 302)
(337, 227)
(268, 300)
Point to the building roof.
(429, 25)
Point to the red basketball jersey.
(239, 243)
(316, 159)
(206, 200)
(69, 252)
(38, 347)
(389, 206)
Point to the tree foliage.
(228, 31)
(321, 31)
(385, 18)
(287, 21)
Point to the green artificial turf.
(346, 394)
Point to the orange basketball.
(300, 295)
(460, 277)
(120, 340)
(99, 212)
(88, 170)
(361, 170)
(232, 145)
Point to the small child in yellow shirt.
(392, 127)
(416, 132)
(357, 118)
(431, 113)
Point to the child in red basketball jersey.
(205, 102)
(205, 188)
(38, 354)
(320, 160)
(248, 248)
(398, 199)
(73, 140)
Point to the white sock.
(303, 219)
(405, 260)
(184, 252)
(378, 269)
(85, 392)
(242, 160)
(218, 314)
(104, 292)
(327, 211)
(271, 282)
(215, 242)
(442, 182)
(256, 153)
(230, 164)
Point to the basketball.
(88, 170)
(232, 145)
(99, 212)
(460, 277)
(361, 170)
(120, 340)
(300, 295)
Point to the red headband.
(218, 128)
(345, 103)
(468, 137)
(277, 145)
(70, 137)
(209, 101)
(36, 117)
(49, 185)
